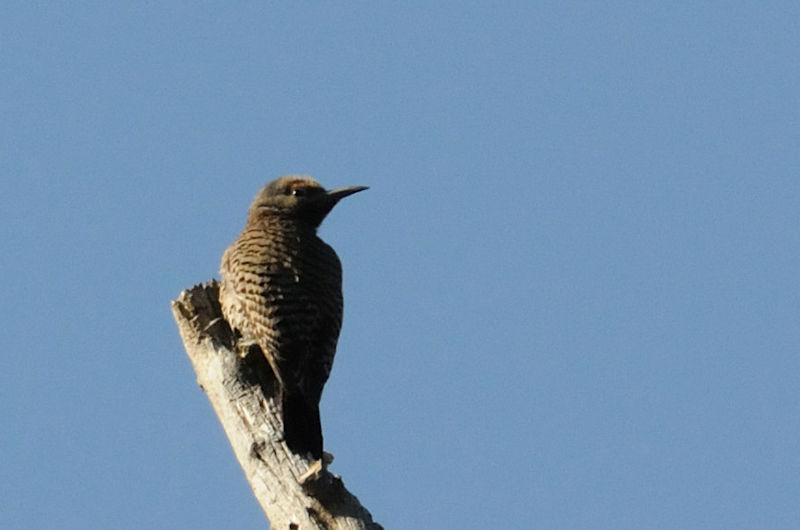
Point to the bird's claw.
(314, 471)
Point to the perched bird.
(282, 289)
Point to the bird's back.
(281, 287)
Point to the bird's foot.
(316, 469)
(314, 472)
(243, 347)
(213, 323)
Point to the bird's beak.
(318, 206)
(338, 194)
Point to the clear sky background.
(571, 292)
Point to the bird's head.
(298, 197)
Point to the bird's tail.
(302, 429)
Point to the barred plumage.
(281, 287)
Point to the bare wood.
(241, 389)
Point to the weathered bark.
(242, 391)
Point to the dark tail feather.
(302, 429)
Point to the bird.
(281, 288)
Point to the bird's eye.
(299, 192)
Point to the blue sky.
(571, 291)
